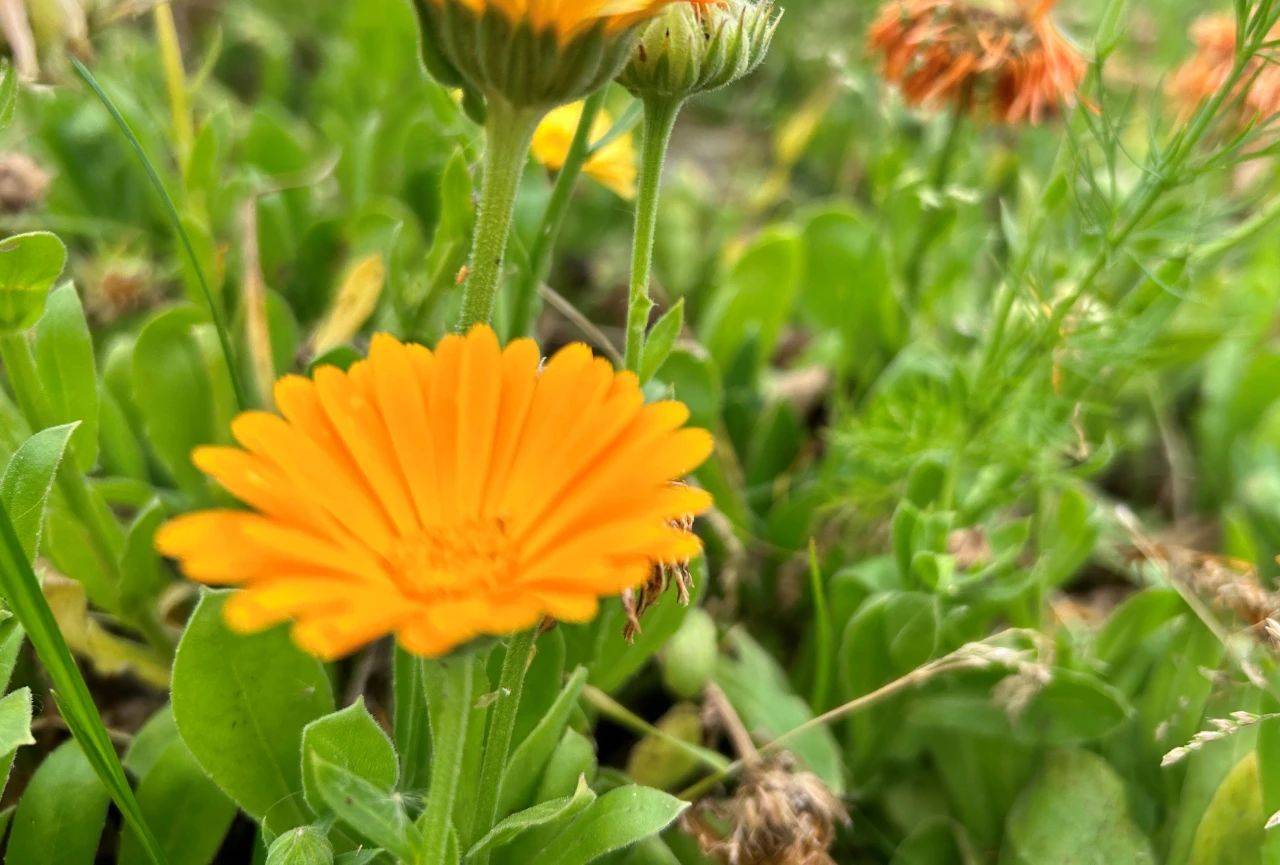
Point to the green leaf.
(1231, 831)
(174, 393)
(352, 740)
(190, 813)
(527, 762)
(543, 814)
(148, 746)
(1074, 812)
(660, 340)
(141, 571)
(27, 480)
(15, 730)
(29, 265)
(305, 845)
(378, 815)
(241, 704)
(755, 298)
(65, 360)
(21, 589)
(573, 759)
(61, 814)
(616, 820)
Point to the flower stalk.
(449, 685)
(501, 729)
(525, 305)
(659, 120)
(508, 134)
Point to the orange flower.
(1208, 68)
(569, 18)
(443, 495)
(1013, 63)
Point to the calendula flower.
(1207, 70)
(613, 165)
(530, 53)
(1006, 60)
(443, 495)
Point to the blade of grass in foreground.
(215, 313)
(22, 590)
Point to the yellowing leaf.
(356, 299)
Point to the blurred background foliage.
(914, 451)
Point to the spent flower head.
(692, 48)
(443, 495)
(1257, 97)
(531, 53)
(1005, 59)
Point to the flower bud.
(692, 48)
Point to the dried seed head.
(117, 285)
(23, 182)
(777, 816)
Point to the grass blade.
(224, 337)
(22, 591)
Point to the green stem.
(171, 209)
(502, 724)
(448, 686)
(525, 307)
(659, 119)
(508, 134)
(620, 714)
(413, 737)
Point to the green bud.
(305, 845)
(29, 265)
(692, 48)
(690, 655)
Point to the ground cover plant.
(647, 432)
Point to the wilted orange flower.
(569, 18)
(443, 495)
(613, 166)
(1208, 69)
(1012, 62)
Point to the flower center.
(454, 560)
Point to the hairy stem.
(448, 685)
(501, 727)
(508, 133)
(659, 119)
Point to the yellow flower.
(614, 165)
(443, 495)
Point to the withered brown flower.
(1206, 71)
(637, 601)
(778, 816)
(23, 182)
(1006, 60)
